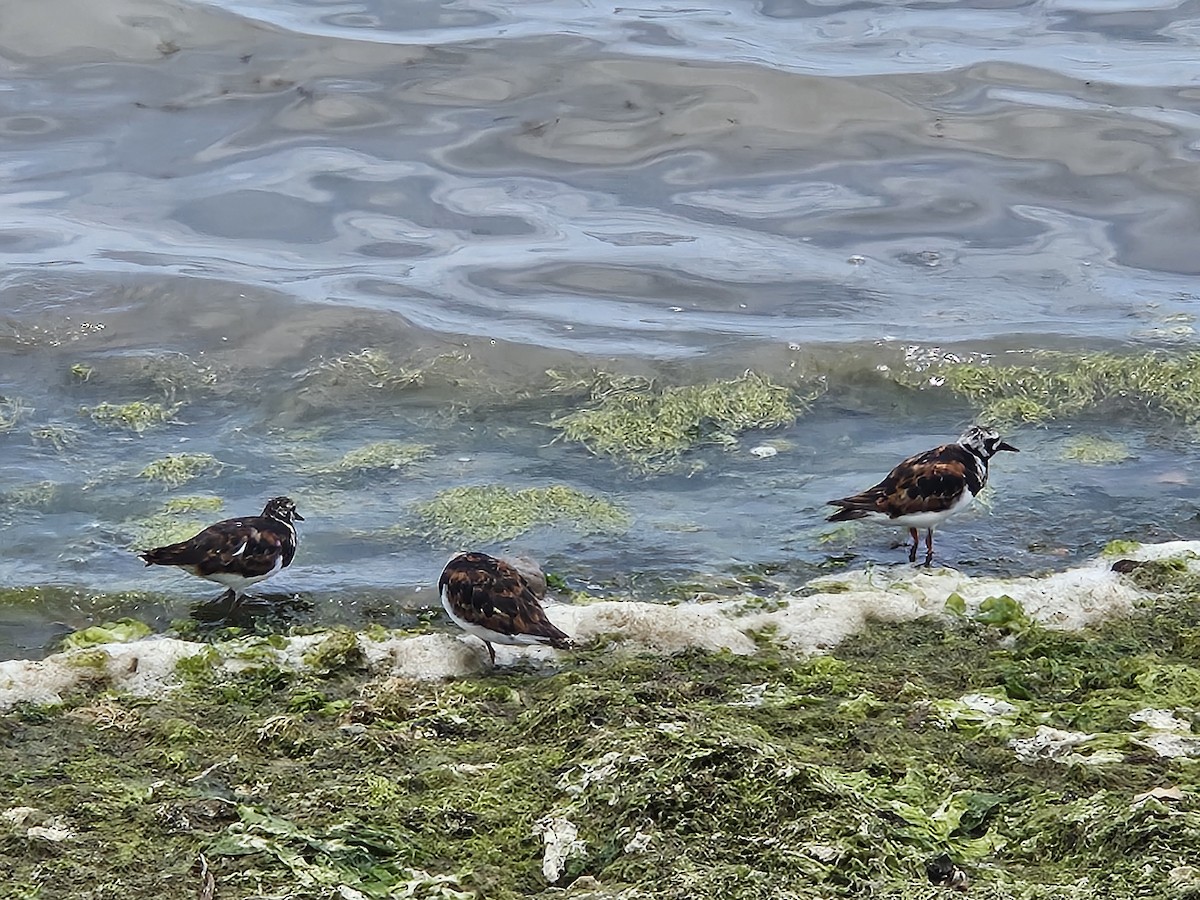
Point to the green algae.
(58, 437)
(57, 596)
(977, 714)
(39, 495)
(339, 650)
(1056, 385)
(175, 469)
(198, 503)
(1172, 575)
(161, 529)
(344, 855)
(371, 368)
(1120, 547)
(137, 416)
(648, 427)
(120, 631)
(376, 376)
(390, 455)
(704, 775)
(1002, 612)
(1095, 451)
(497, 513)
(94, 659)
(199, 670)
(12, 410)
(174, 521)
(170, 375)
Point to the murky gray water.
(211, 204)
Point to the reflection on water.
(207, 204)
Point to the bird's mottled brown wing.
(934, 486)
(928, 482)
(250, 547)
(531, 572)
(492, 594)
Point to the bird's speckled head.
(984, 442)
(282, 509)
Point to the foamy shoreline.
(811, 620)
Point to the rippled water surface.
(220, 206)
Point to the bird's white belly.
(240, 582)
(486, 634)
(931, 519)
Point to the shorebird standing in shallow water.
(926, 489)
(236, 552)
(498, 601)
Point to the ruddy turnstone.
(236, 552)
(926, 489)
(498, 601)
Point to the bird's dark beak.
(1005, 445)
(300, 518)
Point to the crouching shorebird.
(236, 552)
(498, 601)
(926, 489)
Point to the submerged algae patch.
(1055, 385)
(31, 496)
(369, 368)
(376, 455)
(168, 374)
(1095, 451)
(495, 513)
(12, 410)
(171, 374)
(173, 522)
(646, 426)
(137, 416)
(175, 469)
(372, 376)
(198, 503)
(58, 437)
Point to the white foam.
(143, 668)
(1063, 600)
(431, 657)
(813, 620)
(35, 681)
(655, 627)
(147, 668)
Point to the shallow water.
(211, 204)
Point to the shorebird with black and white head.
(236, 553)
(925, 490)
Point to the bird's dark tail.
(858, 506)
(562, 643)
(549, 633)
(172, 555)
(846, 513)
